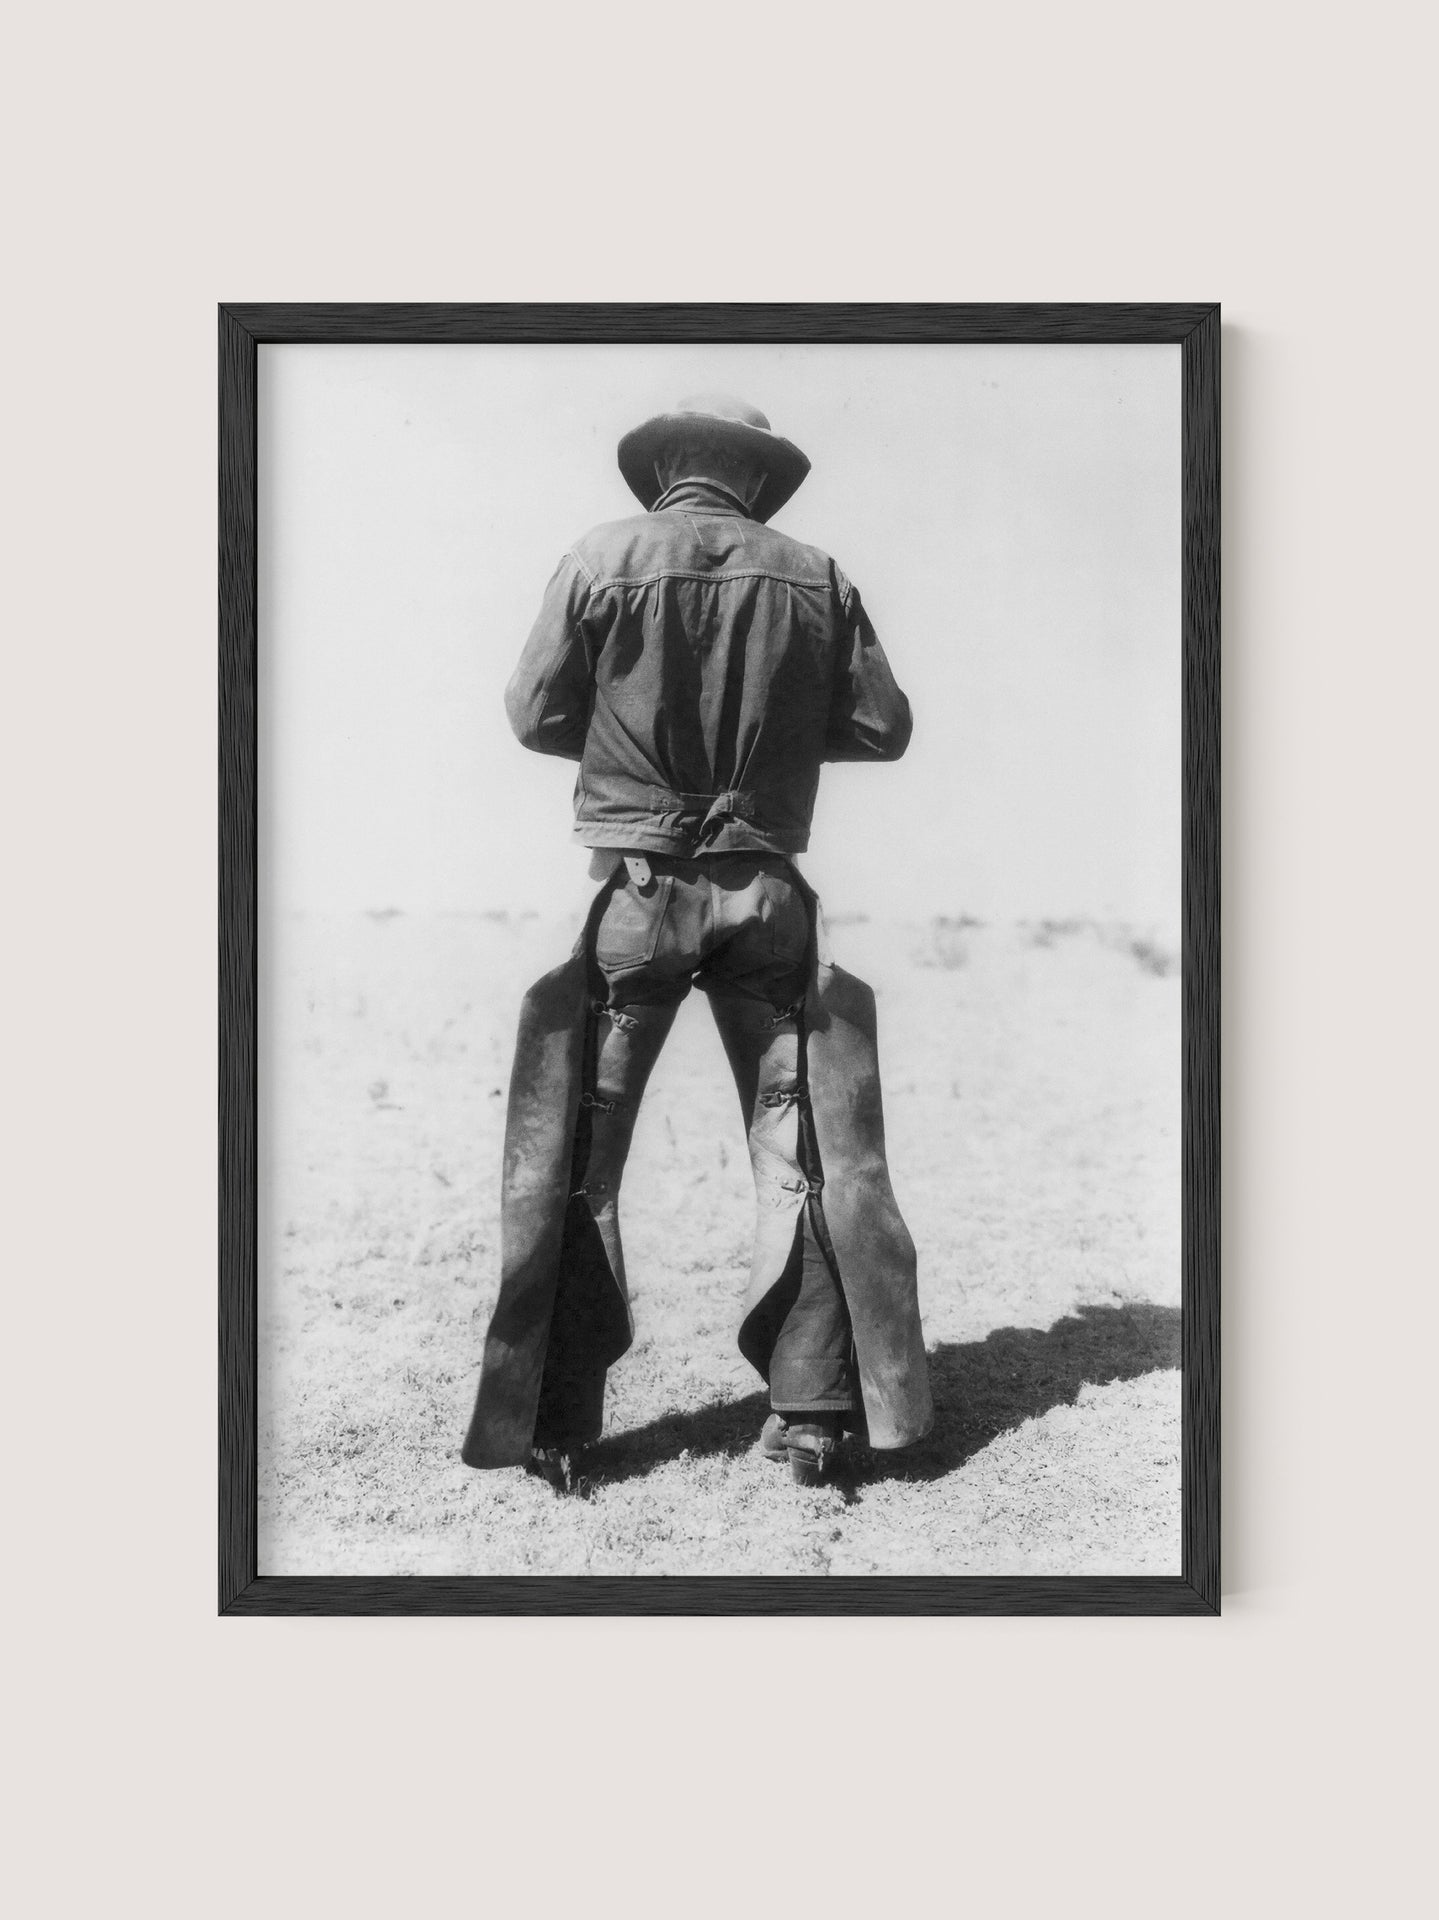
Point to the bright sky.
(1010, 514)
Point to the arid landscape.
(1031, 1078)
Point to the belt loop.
(726, 806)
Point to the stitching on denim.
(572, 631)
(706, 579)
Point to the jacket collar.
(698, 495)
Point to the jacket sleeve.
(869, 718)
(551, 691)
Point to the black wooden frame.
(1195, 328)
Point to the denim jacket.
(700, 667)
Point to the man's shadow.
(982, 1388)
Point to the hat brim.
(784, 465)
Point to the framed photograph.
(719, 950)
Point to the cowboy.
(700, 667)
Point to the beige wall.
(1272, 156)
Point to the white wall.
(1273, 156)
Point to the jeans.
(737, 926)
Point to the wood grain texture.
(238, 956)
(875, 1595)
(399, 323)
(1195, 327)
(1200, 947)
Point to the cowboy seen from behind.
(701, 667)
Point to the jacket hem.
(642, 836)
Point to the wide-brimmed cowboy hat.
(717, 419)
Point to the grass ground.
(1032, 1100)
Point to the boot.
(810, 1442)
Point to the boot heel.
(807, 1469)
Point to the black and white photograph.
(682, 982)
(720, 1019)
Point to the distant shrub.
(1154, 958)
(944, 945)
(1047, 932)
(1153, 955)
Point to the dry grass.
(1032, 1097)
